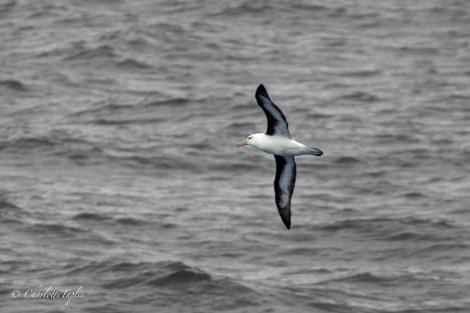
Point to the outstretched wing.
(277, 123)
(284, 183)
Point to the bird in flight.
(277, 140)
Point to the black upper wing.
(284, 183)
(277, 123)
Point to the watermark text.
(48, 292)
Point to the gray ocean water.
(121, 189)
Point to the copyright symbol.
(15, 294)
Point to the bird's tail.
(314, 151)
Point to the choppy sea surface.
(121, 189)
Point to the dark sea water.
(121, 189)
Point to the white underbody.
(278, 145)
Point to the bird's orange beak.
(243, 143)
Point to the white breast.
(279, 145)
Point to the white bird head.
(251, 140)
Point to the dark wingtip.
(286, 222)
(262, 90)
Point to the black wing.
(277, 123)
(284, 183)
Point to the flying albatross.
(277, 141)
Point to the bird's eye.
(249, 137)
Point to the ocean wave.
(361, 96)
(105, 54)
(173, 102)
(186, 284)
(388, 138)
(80, 51)
(11, 213)
(13, 85)
(244, 7)
(248, 7)
(444, 247)
(7, 7)
(421, 51)
(317, 115)
(108, 113)
(165, 30)
(387, 279)
(6, 205)
(157, 162)
(390, 229)
(56, 144)
(103, 218)
(124, 121)
(178, 273)
(132, 64)
(28, 143)
(171, 278)
(305, 6)
(347, 160)
(54, 229)
(83, 152)
(92, 155)
(65, 232)
(86, 216)
(236, 126)
(130, 221)
(362, 73)
(414, 195)
(103, 107)
(364, 277)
